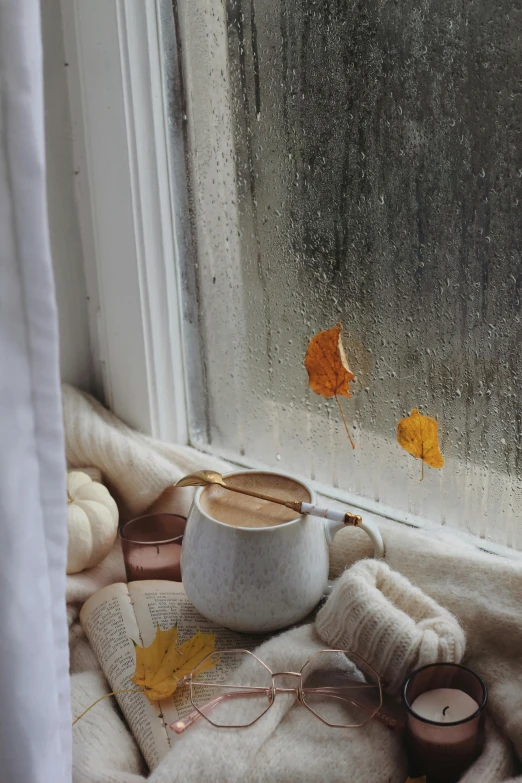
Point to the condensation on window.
(359, 162)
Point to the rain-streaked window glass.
(359, 162)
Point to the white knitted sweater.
(392, 624)
(289, 745)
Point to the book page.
(109, 622)
(166, 604)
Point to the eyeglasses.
(337, 686)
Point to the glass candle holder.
(445, 705)
(151, 547)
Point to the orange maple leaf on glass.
(327, 367)
(418, 435)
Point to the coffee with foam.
(238, 510)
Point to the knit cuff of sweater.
(378, 614)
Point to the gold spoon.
(204, 478)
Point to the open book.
(116, 616)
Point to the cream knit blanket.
(483, 591)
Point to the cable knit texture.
(379, 614)
(289, 745)
(136, 468)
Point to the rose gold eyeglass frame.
(335, 692)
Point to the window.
(358, 162)
(253, 171)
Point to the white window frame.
(126, 209)
(129, 213)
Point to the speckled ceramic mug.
(255, 579)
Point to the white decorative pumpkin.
(92, 522)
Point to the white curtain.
(35, 720)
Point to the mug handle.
(373, 532)
(336, 519)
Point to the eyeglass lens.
(341, 691)
(234, 693)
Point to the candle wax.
(444, 705)
(154, 562)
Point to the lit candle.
(444, 705)
(445, 720)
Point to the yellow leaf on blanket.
(416, 780)
(161, 665)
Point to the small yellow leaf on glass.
(327, 368)
(418, 435)
(161, 665)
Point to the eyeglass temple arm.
(181, 725)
